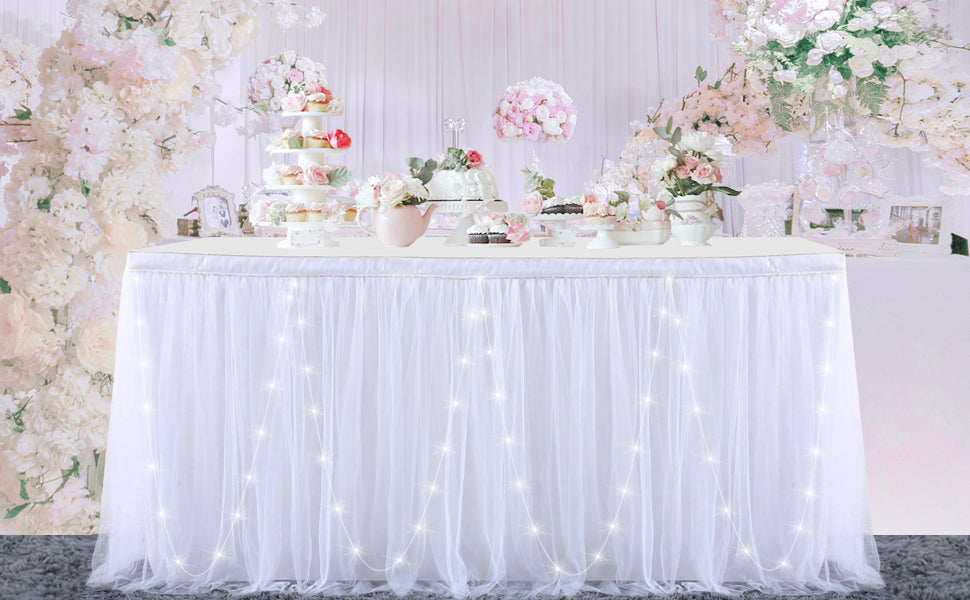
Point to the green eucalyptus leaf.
(339, 177)
(85, 188)
(22, 114)
(661, 131)
(13, 512)
(295, 143)
(700, 74)
(4, 286)
(415, 163)
(45, 204)
(23, 490)
(622, 195)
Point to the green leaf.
(700, 75)
(676, 136)
(871, 95)
(22, 114)
(415, 163)
(85, 188)
(339, 177)
(4, 286)
(661, 131)
(13, 512)
(295, 143)
(725, 190)
(168, 41)
(45, 204)
(623, 196)
(23, 490)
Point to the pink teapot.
(398, 226)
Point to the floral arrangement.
(389, 190)
(692, 166)
(537, 190)
(18, 97)
(118, 88)
(456, 159)
(537, 110)
(885, 60)
(283, 82)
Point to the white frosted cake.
(453, 186)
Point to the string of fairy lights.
(479, 316)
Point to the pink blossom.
(567, 130)
(531, 131)
(314, 88)
(683, 172)
(518, 233)
(294, 103)
(691, 162)
(705, 174)
(832, 169)
(531, 204)
(295, 75)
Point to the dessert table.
(471, 420)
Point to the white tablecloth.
(472, 420)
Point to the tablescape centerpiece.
(394, 201)
(462, 185)
(293, 86)
(689, 176)
(601, 216)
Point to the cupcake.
(292, 175)
(496, 234)
(478, 234)
(318, 102)
(350, 214)
(316, 212)
(290, 139)
(316, 138)
(295, 213)
(599, 213)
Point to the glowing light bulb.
(445, 449)
(161, 513)
(663, 312)
(178, 562)
(558, 568)
(746, 550)
(669, 279)
(709, 458)
(685, 367)
(624, 491)
(676, 320)
(338, 509)
(281, 339)
(816, 450)
(696, 409)
(725, 510)
(519, 484)
(146, 407)
(535, 530)
(419, 527)
(301, 323)
(260, 432)
(152, 467)
(307, 369)
(598, 557)
(323, 458)
(464, 360)
(398, 560)
(455, 404)
(636, 449)
(783, 564)
(810, 493)
(647, 400)
(314, 411)
(433, 488)
(218, 554)
(508, 440)
(799, 528)
(488, 352)
(613, 526)
(356, 550)
(236, 516)
(249, 477)
(655, 354)
(271, 385)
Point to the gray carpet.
(56, 567)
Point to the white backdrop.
(402, 67)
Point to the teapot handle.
(360, 223)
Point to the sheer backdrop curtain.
(402, 67)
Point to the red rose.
(475, 159)
(661, 205)
(338, 139)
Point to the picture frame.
(217, 212)
(921, 225)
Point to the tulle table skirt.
(517, 421)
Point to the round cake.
(455, 186)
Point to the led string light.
(248, 479)
(809, 494)
(420, 527)
(624, 492)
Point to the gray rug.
(56, 567)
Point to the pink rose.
(717, 175)
(338, 139)
(314, 88)
(705, 174)
(683, 172)
(475, 159)
(567, 130)
(661, 205)
(294, 75)
(294, 103)
(518, 233)
(531, 131)
(691, 162)
(832, 169)
(315, 174)
(531, 204)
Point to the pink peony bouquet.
(285, 81)
(692, 167)
(537, 110)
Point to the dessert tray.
(467, 209)
(561, 236)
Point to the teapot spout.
(426, 219)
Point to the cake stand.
(561, 236)
(603, 239)
(467, 209)
(308, 234)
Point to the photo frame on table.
(920, 225)
(217, 212)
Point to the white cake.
(453, 186)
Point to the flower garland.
(18, 97)
(118, 87)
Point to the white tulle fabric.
(472, 426)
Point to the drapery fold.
(641, 431)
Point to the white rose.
(790, 34)
(888, 57)
(815, 57)
(503, 107)
(393, 193)
(924, 18)
(243, 32)
(277, 82)
(526, 104)
(542, 112)
(861, 66)
(552, 127)
(785, 76)
(125, 235)
(817, 5)
(668, 163)
(288, 57)
(829, 42)
(697, 141)
(826, 20)
(835, 77)
(882, 9)
(572, 119)
(305, 64)
(756, 37)
(510, 130)
(95, 346)
(839, 91)
(904, 52)
(20, 325)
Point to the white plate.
(309, 150)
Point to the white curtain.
(402, 67)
